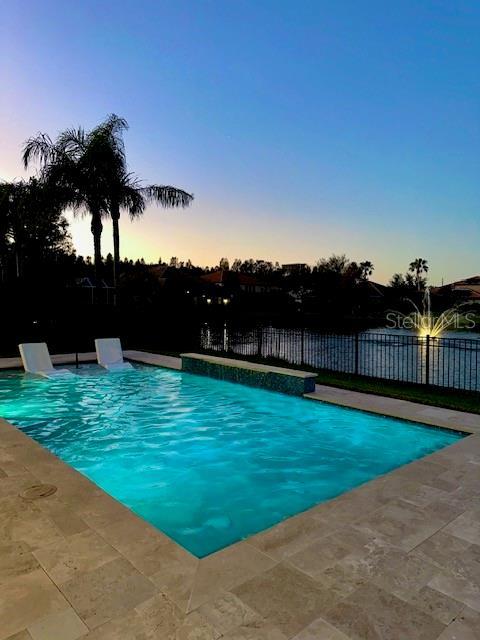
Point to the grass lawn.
(435, 396)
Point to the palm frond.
(115, 124)
(109, 135)
(167, 196)
(133, 201)
(72, 142)
(38, 148)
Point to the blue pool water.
(205, 461)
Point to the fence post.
(259, 341)
(302, 354)
(226, 339)
(427, 361)
(357, 345)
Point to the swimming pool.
(205, 461)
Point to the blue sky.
(303, 128)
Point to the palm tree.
(82, 165)
(366, 269)
(91, 170)
(418, 266)
(128, 193)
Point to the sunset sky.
(303, 128)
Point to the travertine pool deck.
(395, 559)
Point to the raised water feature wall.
(250, 373)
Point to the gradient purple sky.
(303, 128)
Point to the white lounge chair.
(36, 360)
(110, 355)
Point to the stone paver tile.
(320, 629)
(100, 511)
(26, 599)
(370, 613)
(441, 548)
(72, 487)
(177, 573)
(334, 548)
(14, 485)
(66, 519)
(445, 508)
(168, 565)
(324, 553)
(131, 532)
(75, 555)
(228, 612)
(465, 627)
(459, 473)
(466, 526)
(347, 508)
(12, 468)
(290, 536)
(21, 635)
(459, 558)
(9, 465)
(194, 627)
(16, 559)
(22, 521)
(390, 486)
(160, 618)
(405, 575)
(107, 591)
(424, 495)
(11, 437)
(125, 627)
(225, 569)
(469, 445)
(421, 470)
(26, 451)
(402, 524)
(435, 604)
(353, 571)
(255, 631)
(458, 588)
(148, 549)
(288, 599)
(65, 626)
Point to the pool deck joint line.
(397, 558)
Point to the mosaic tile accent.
(254, 375)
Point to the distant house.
(374, 290)
(295, 269)
(234, 280)
(104, 291)
(160, 272)
(467, 289)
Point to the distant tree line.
(86, 171)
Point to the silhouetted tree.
(32, 227)
(366, 269)
(128, 193)
(418, 267)
(84, 165)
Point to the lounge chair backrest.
(109, 351)
(35, 357)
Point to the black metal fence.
(443, 362)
